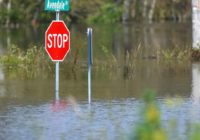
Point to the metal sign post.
(57, 67)
(89, 34)
(57, 81)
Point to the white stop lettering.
(57, 40)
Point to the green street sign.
(57, 5)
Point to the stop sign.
(57, 40)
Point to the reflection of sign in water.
(57, 5)
(196, 23)
(59, 105)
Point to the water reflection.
(163, 35)
(131, 39)
(111, 120)
(2, 88)
(23, 37)
(40, 122)
(195, 94)
(59, 105)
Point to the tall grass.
(26, 64)
(33, 61)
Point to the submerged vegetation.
(34, 61)
(26, 64)
(175, 56)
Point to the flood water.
(29, 110)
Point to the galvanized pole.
(89, 34)
(57, 67)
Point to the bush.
(108, 13)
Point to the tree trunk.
(127, 10)
(145, 9)
(151, 12)
(8, 11)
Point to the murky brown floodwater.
(28, 109)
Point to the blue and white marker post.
(89, 35)
(57, 67)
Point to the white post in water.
(57, 67)
(89, 34)
(196, 23)
(57, 81)
(196, 83)
(195, 96)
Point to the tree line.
(16, 12)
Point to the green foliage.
(138, 9)
(194, 132)
(177, 53)
(19, 12)
(108, 13)
(172, 10)
(29, 63)
(95, 11)
(150, 127)
(81, 9)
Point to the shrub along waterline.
(27, 63)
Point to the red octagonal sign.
(57, 40)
